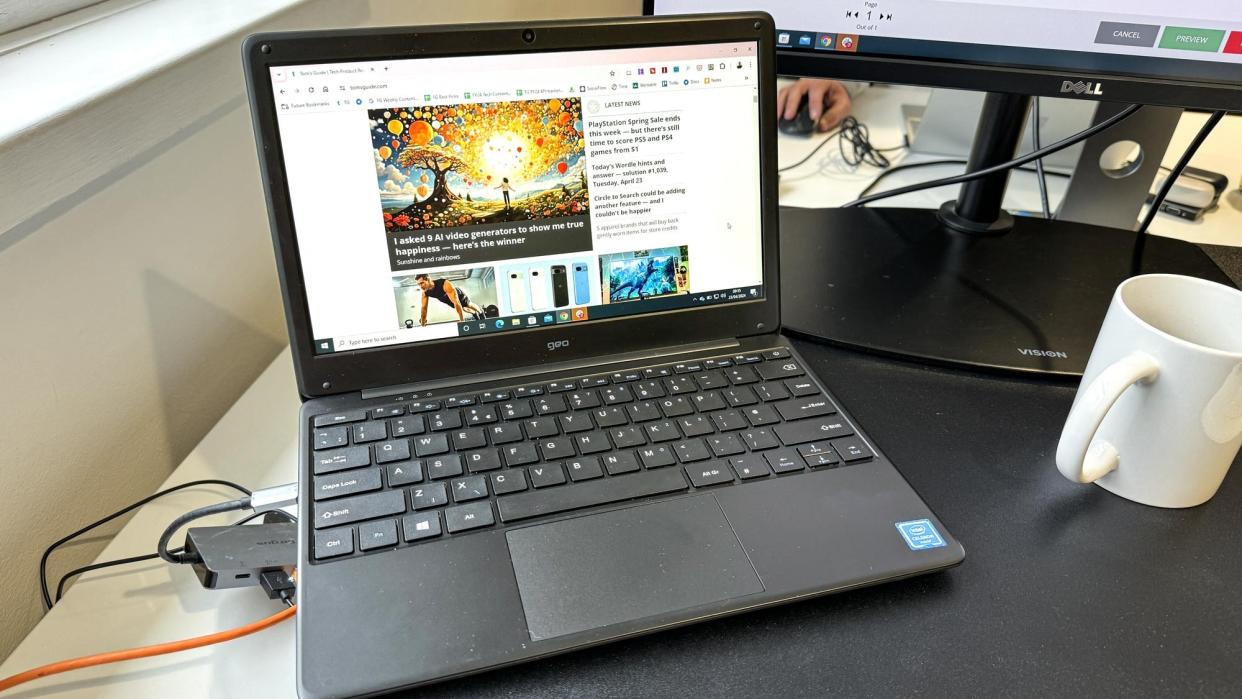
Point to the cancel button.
(1126, 34)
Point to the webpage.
(1199, 30)
(451, 197)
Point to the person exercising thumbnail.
(443, 291)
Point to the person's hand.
(827, 100)
(422, 322)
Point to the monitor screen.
(1193, 40)
(452, 197)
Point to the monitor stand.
(967, 284)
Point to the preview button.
(1126, 34)
(1191, 39)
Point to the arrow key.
(853, 449)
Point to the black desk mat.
(1066, 589)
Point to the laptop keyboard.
(407, 473)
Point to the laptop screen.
(439, 198)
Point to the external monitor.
(970, 284)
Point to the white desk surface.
(255, 444)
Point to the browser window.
(1193, 39)
(451, 197)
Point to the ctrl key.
(334, 542)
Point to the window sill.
(108, 95)
(66, 71)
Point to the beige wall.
(134, 311)
(131, 320)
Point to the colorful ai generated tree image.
(471, 164)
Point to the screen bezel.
(1006, 78)
(327, 374)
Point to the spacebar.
(596, 492)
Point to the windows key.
(417, 527)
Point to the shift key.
(348, 510)
(804, 431)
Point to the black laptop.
(530, 274)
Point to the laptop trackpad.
(597, 570)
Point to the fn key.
(466, 517)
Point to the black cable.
(926, 163)
(1153, 208)
(60, 587)
(814, 150)
(1039, 162)
(1007, 165)
(907, 166)
(47, 598)
(255, 515)
(857, 136)
(205, 511)
(861, 150)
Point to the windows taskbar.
(556, 316)
(575, 314)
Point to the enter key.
(798, 408)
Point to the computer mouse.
(802, 124)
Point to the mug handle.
(1079, 457)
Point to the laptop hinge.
(499, 376)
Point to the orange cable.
(145, 651)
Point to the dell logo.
(558, 344)
(1042, 353)
(1081, 87)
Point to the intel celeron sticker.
(920, 534)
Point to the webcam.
(528, 35)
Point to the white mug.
(1158, 415)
